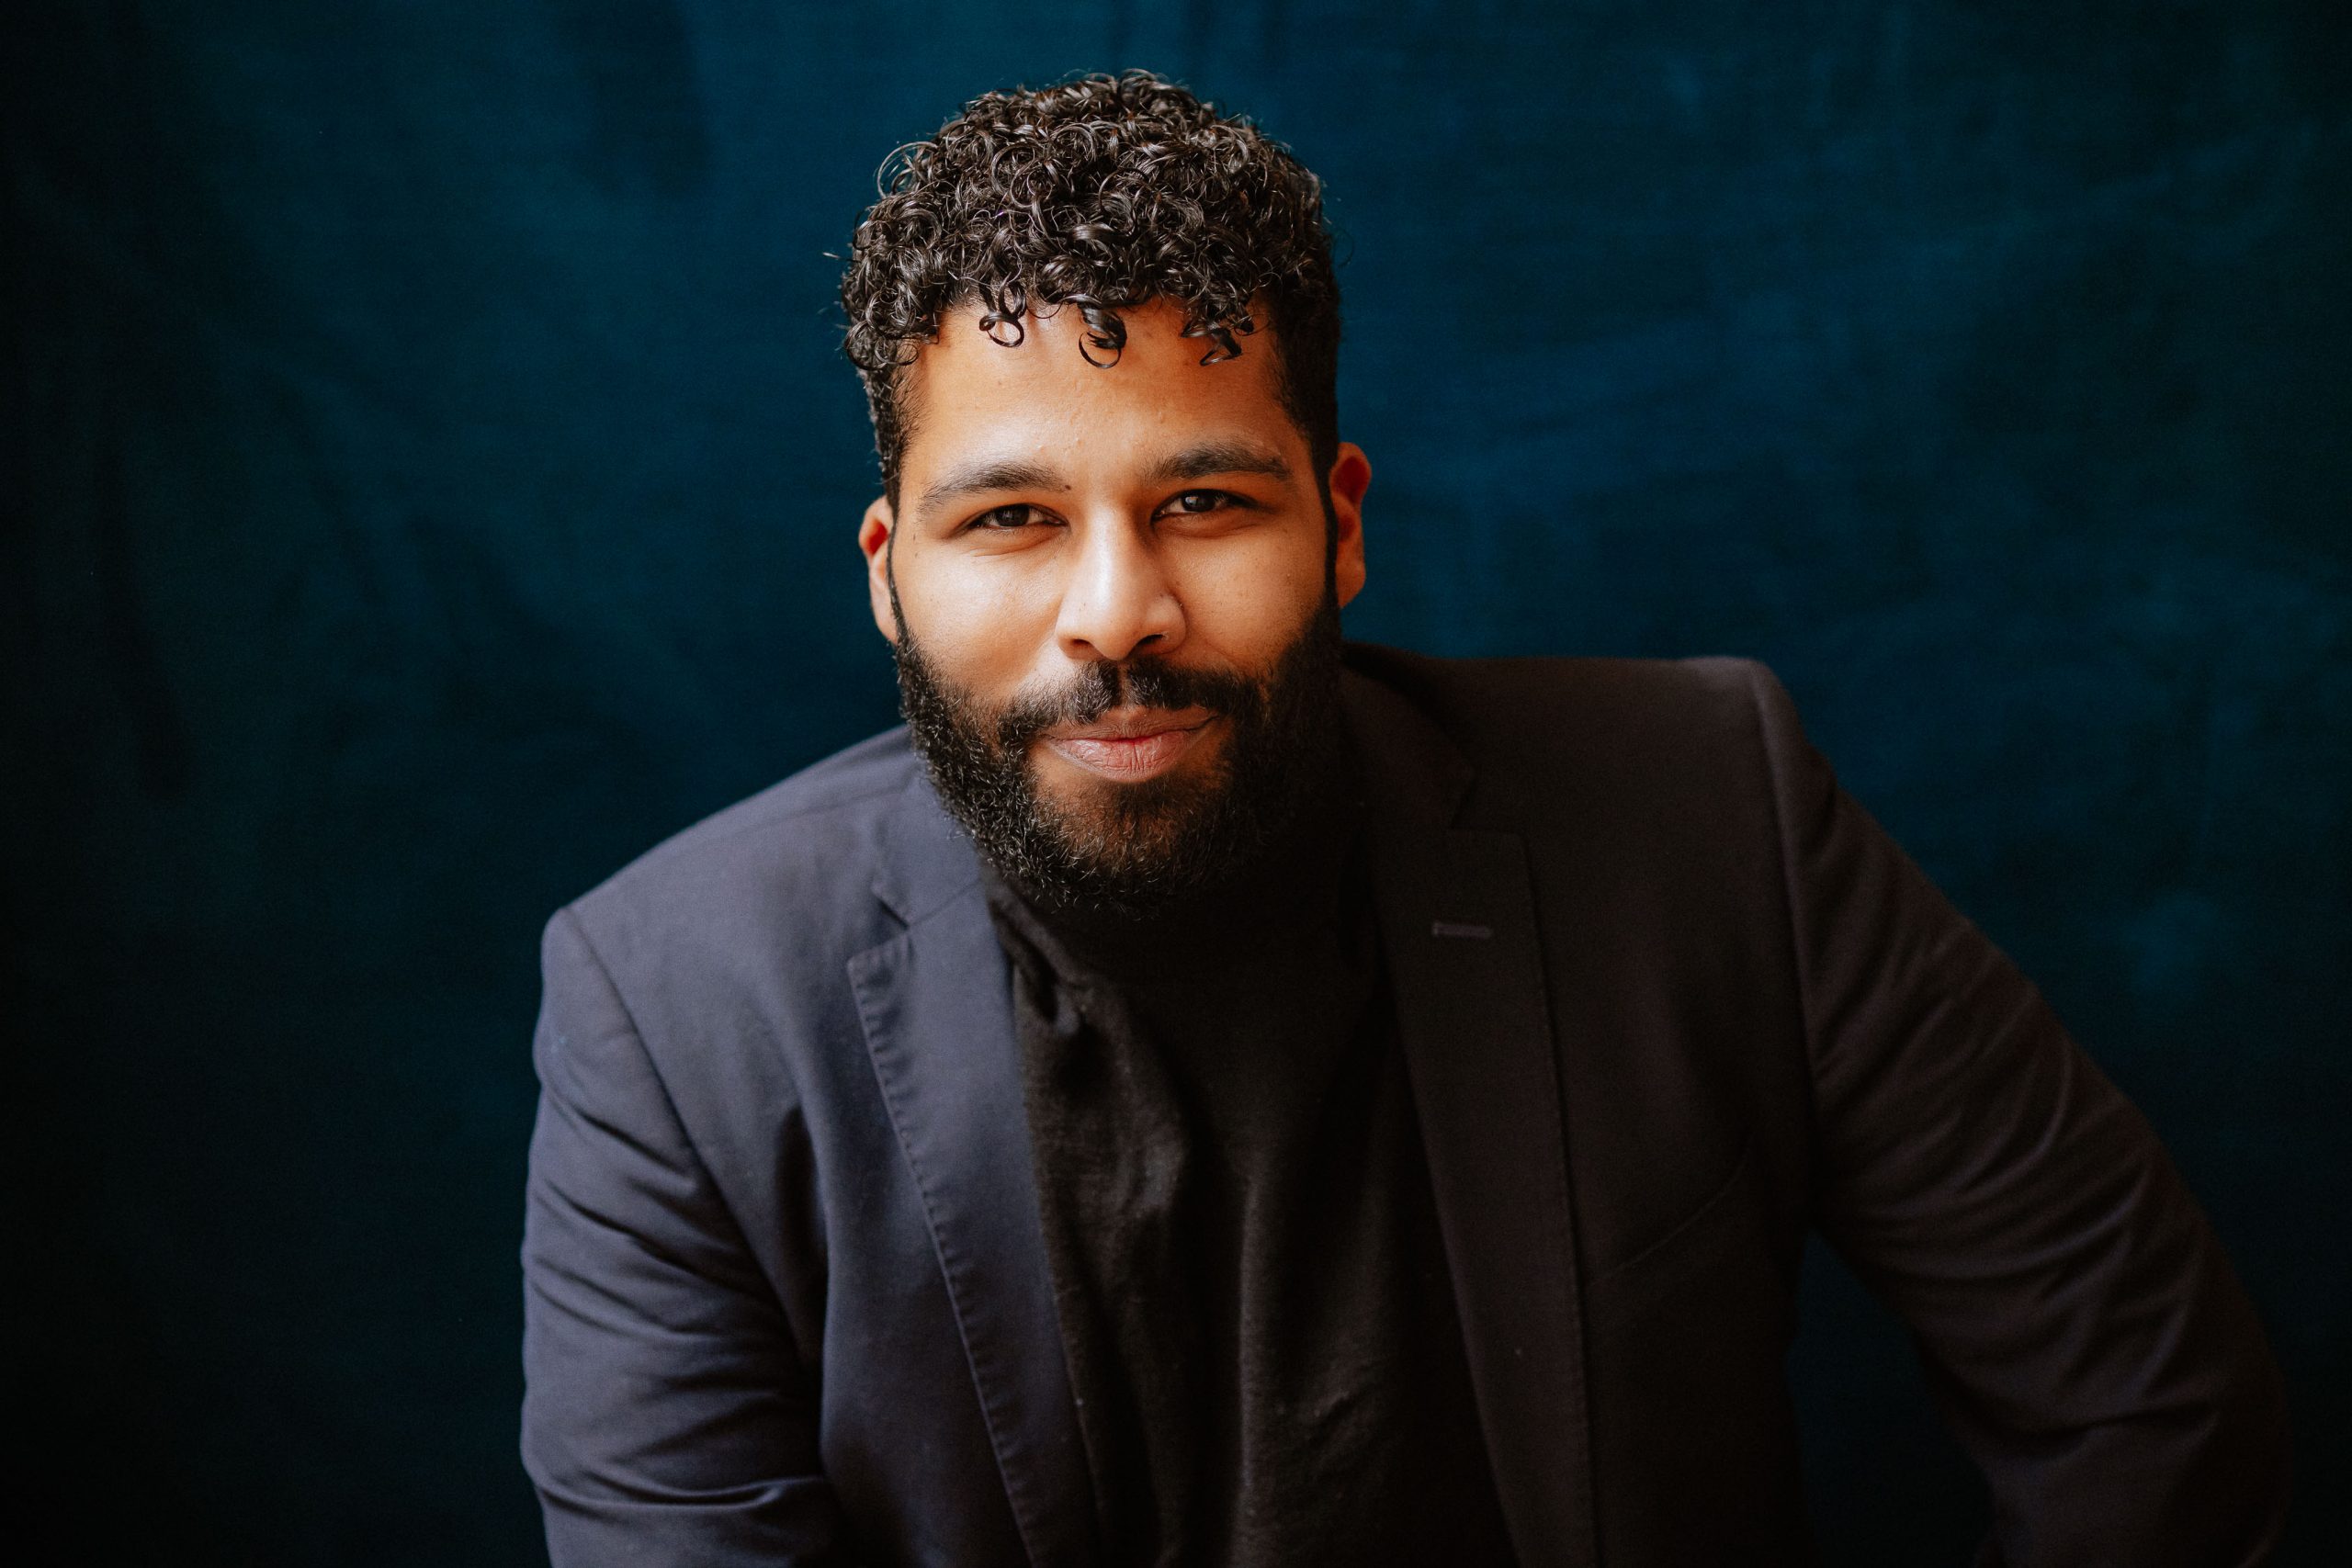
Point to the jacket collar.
(927, 860)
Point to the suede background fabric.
(431, 475)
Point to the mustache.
(1099, 687)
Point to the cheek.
(980, 623)
(1249, 600)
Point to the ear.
(1351, 477)
(874, 541)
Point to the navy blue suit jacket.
(1669, 1000)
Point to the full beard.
(1133, 850)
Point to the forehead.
(966, 387)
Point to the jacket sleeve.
(666, 1417)
(2084, 1333)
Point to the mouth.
(1130, 745)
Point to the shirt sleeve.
(666, 1417)
(2084, 1333)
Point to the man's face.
(1114, 588)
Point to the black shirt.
(1252, 1290)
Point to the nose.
(1118, 601)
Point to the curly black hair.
(1098, 193)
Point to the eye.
(1194, 501)
(1004, 519)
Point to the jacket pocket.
(1694, 1436)
(1668, 1263)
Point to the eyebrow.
(1213, 457)
(990, 474)
(1206, 460)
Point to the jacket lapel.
(937, 1009)
(1458, 924)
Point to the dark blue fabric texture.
(430, 475)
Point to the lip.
(1130, 745)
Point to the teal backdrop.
(431, 476)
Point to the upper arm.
(667, 1415)
(1988, 1181)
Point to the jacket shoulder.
(1599, 728)
(786, 869)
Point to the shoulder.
(1593, 730)
(1609, 691)
(701, 995)
(785, 875)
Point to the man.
(1204, 1093)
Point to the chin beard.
(1132, 851)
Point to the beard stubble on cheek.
(1131, 849)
